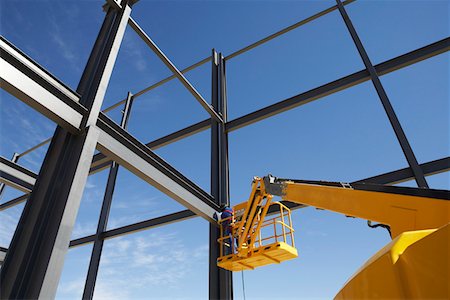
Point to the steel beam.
(340, 84)
(16, 176)
(123, 148)
(175, 71)
(395, 123)
(34, 262)
(29, 82)
(136, 227)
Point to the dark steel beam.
(395, 123)
(35, 259)
(91, 278)
(175, 71)
(340, 84)
(139, 226)
(16, 176)
(155, 222)
(123, 148)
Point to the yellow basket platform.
(261, 256)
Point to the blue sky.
(344, 137)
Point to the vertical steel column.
(395, 123)
(35, 259)
(223, 135)
(226, 277)
(220, 280)
(14, 159)
(94, 263)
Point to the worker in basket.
(227, 215)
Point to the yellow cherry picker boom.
(415, 264)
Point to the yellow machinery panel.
(415, 265)
(261, 256)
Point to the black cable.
(387, 227)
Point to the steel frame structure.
(34, 260)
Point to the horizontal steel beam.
(340, 84)
(16, 176)
(147, 224)
(32, 84)
(123, 148)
